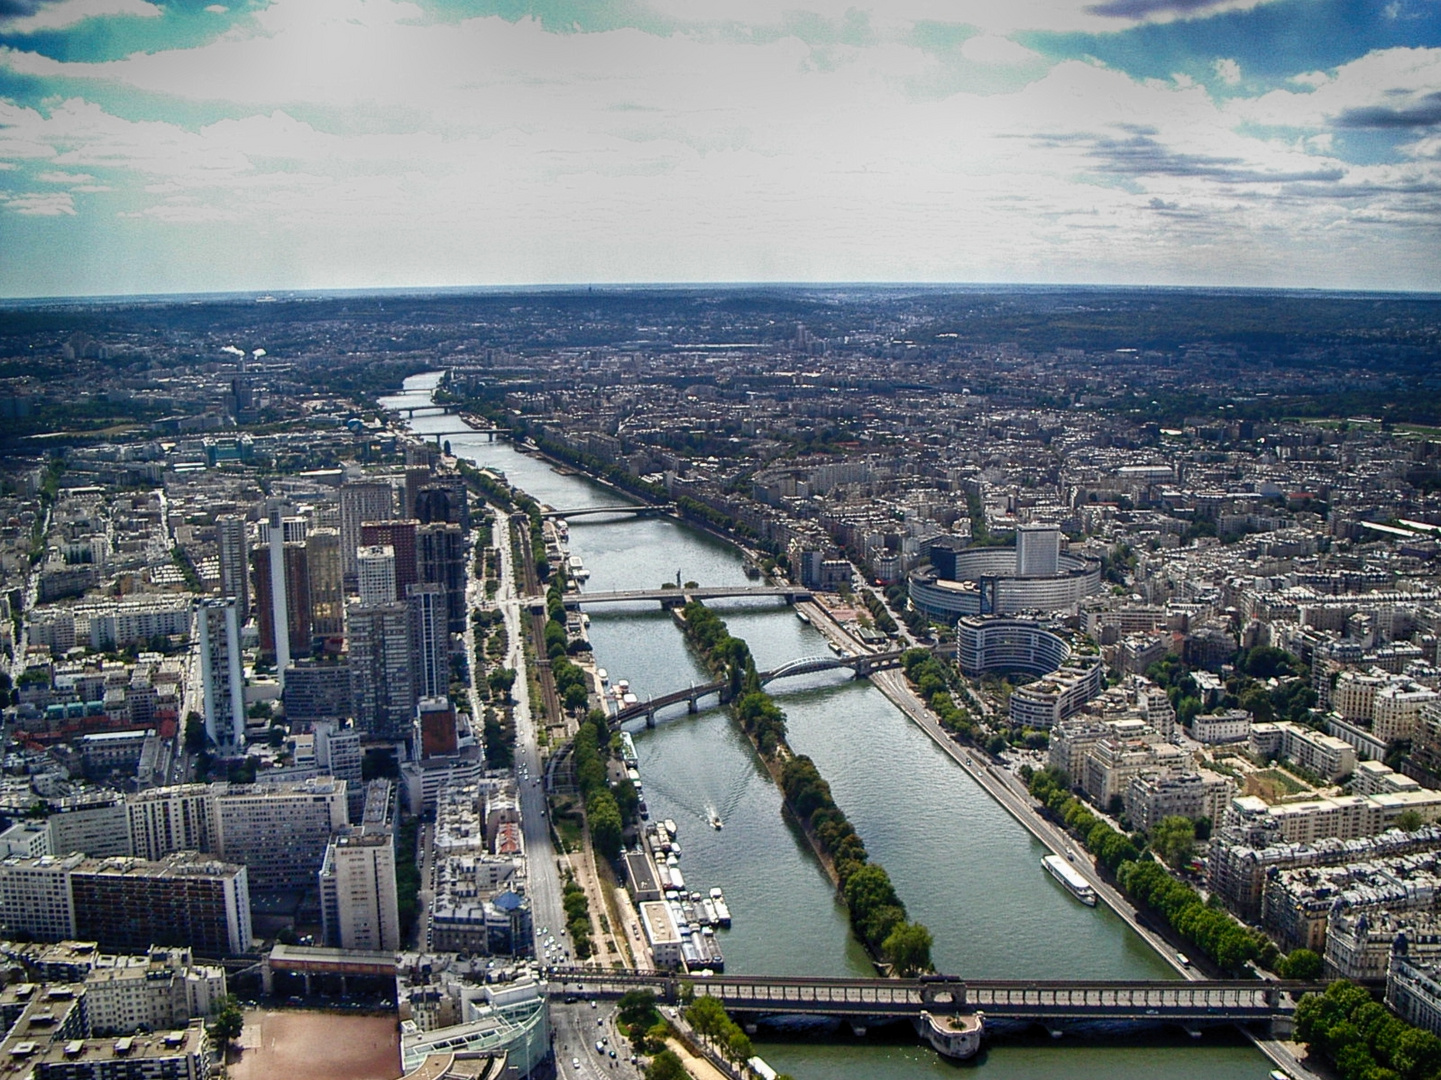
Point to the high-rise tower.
(230, 534)
(220, 674)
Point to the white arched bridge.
(863, 664)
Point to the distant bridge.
(427, 410)
(679, 597)
(468, 430)
(862, 664)
(628, 508)
(1044, 1000)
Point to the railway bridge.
(1053, 1002)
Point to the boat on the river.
(716, 823)
(1071, 878)
(722, 909)
(803, 617)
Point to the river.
(961, 864)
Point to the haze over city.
(669, 539)
(188, 147)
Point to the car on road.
(574, 1062)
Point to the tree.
(909, 949)
(195, 737)
(666, 1066)
(637, 1008)
(227, 1021)
(707, 1016)
(1300, 964)
(738, 1045)
(501, 680)
(1408, 821)
(1174, 840)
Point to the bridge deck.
(789, 592)
(863, 663)
(1212, 1001)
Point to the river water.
(960, 863)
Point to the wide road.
(578, 1027)
(545, 883)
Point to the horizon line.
(322, 292)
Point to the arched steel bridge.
(863, 664)
(1046, 1000)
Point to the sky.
(158, 146)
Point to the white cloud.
(52, 204)
(370, 147)
(992, 49)
(1091, 16)
(64, 14)
(1227, 70)
(216, 9)
(1381, 89)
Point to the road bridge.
(493, 432)
(679, 597)
(863, 664)
(427, 410)
(638, 509)
(1047, 1001)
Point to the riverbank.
(1008, 792)
(974, 876)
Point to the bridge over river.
(638, 509)
(863, 664)
(1185, 1002)
(675, 597)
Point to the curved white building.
(1049, 700)
(988, 582)
(995, 643)
(984, 643)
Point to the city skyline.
(182, 147)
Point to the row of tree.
(1227, 942)
(1112, 848)
(884, 622)
(577, 917)
(1216, 934)
(490, 487)
(916, 621)
(877, 915)
(602, 812)
(1363, 1039)
(707, 1016)
(929, 677)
